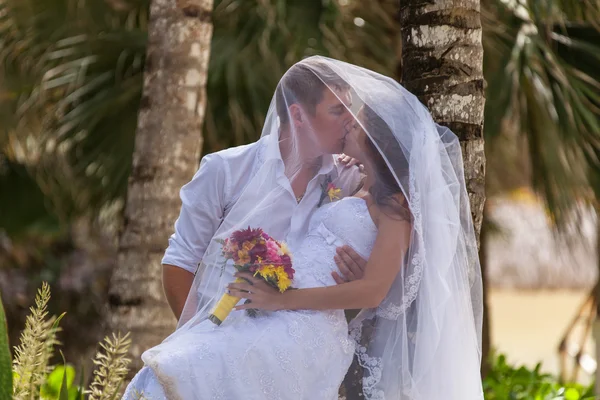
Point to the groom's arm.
(176, 285)
(202, 205)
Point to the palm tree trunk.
(596, 326)
(486, 334)
(166, 154)
(442, 62)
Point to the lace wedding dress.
(279, 355)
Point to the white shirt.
(217, 185)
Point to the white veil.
(424, 340)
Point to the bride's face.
(356, 139)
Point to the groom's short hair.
(302, 85)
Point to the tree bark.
(442, 64)
(596, 325)
(166, 155)
(486, 336)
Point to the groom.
(308, 123)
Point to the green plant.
(5, 369)
(507, 382)
(59, 384)
(31, 377)
(32, 356)
(542, 64)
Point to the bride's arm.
(391, 244)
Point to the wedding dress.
(279, 355)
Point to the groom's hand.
(351, 265)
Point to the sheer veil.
(424, 340)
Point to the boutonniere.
(329, 190)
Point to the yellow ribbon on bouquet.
(224, 306)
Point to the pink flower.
(273, 250)
(260, 250)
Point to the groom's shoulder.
(243, 154)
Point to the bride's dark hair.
(386, 190)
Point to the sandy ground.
(527, 326)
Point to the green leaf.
(80, 394)
(6, 374)
(57, 322)
(572, 394)
(58, 382)
(67, 380)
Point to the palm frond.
(256, 41)
(543, 73)
(72, 72)
(77, 71)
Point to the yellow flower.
(283, 280)
(266, 271)
(248, 246)
(333, 192)
(276, 274)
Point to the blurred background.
(70, 88)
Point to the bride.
(418, 333)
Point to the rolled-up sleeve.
(203, 202)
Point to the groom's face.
(331, 121)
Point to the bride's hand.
(262, 296)
(349, 161)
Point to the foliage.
(112, 368)
(33, 378)
(72, 74)
(32, 356)
(542, 65)
(25, 210)
(60, 383)
(5, 363)
(71, 80)
(256, 41)
(520, 383)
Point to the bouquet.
(252, 250)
